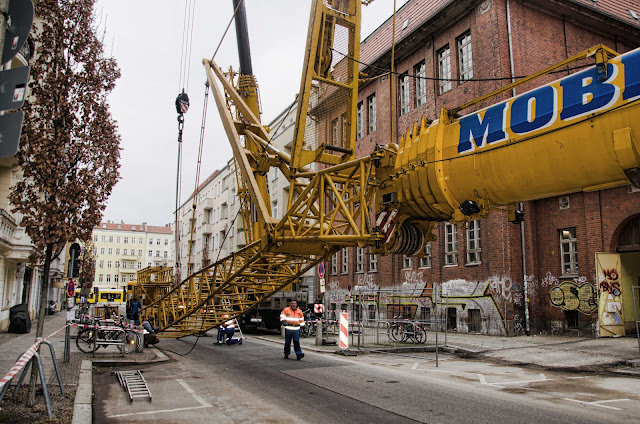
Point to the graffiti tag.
(571, 296)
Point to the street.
(252, 382)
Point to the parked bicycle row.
(95, 333)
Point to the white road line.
(415, 365)
(598, 403)
(483, 380)
(573, 378)
(159, 411)
(188, 388)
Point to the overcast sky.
(145, 37)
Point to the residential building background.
(122, 250)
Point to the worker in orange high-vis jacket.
(292, 319)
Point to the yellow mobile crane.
(456, 168)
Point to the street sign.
(71, 289)
(322, 286)
(21, 18)
(321, 270)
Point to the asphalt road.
(253, 383)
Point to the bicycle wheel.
(86, 340)
(420, 334)
(396, 333)
(130, 341)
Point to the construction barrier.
(344, 330)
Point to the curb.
(83, 403)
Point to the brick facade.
(542, 34)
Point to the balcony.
(207, 228)
(7, 232)
(206, 204)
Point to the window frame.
(443, 57)
(473, 235)
(572, 243)
(419, 71)
(465, 67)
(403, 93)
(450, 245)
(371, 113)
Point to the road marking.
(499, 384)
(203, 404)
(598, 403)
(158, 411)
(188, 388)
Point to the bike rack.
(43, 379)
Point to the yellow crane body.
(579, 133)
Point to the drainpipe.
(522, 245)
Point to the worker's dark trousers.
(292, 335)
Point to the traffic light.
(73, 267)
(16, 22)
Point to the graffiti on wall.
(575, 296)
(414, 277)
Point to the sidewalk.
(12, 346)
(546, 351)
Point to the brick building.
(466, 49)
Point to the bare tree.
(69, 150)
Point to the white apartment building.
(123, 249)
(218, 229)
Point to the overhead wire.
(227, 29)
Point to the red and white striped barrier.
(24, 359)
(344, 330)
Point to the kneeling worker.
(150, 337)
(228, 329)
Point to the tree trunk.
(42, 312)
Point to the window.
(133, 239)
(359, 122)
(444, 69)
(133, 227)
(126, 251)
(569, 250)
(359, 259)
(115, 278)
(139, 265)
(150, 252)
(139, 252)
(117, 251)
(345, 260)
(95, 238)
(110, 251)
(403, 83)
(450, 244)
(124, 265)
(117, 264)
(124, 278)
(373, 262)
(335, 132)
(104, 238)
(465, 62)
(126, 240)
(274, 209)
(102, 250)
(166, 242)
(100, 278)
(371, 107)
(421, 84)
(166, 254)
(232, 200)
(108, 278)
(158, 242)
(108, 264)
(406, 262)
(473, 242)
(157, 253)
(150, 241)
(334, 264)
(117, 239)
(101, 264)
(425, 261)
(343, 132)
(140, 240)
(95, 250)
(110, 239)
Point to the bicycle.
(402, 331)
(95, 336)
